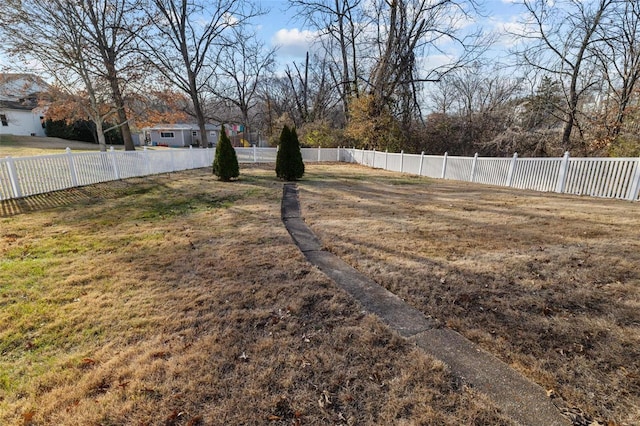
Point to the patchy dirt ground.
(180, 300)
(550, 284)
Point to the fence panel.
(492, 171)
(432, 166)
(309, 154)
(459, 168)
(538, 174)
(393, 162)
(93, 167)
(42, 174)
(6, 190)
(379, 159)
(411, 164)
(601, 177)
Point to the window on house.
(43, 122)
(166, 134)
(194, 133)
(4, 120)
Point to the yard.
(178, 299)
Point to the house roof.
(17, 87)
(182, 126)
(23, 105)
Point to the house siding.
(22, 122)
(181, 137)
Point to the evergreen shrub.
(225, 162)
(289, 164)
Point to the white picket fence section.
(25, 176)
(597, 177)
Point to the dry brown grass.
(180, 300)
(25, 146)
(548, 283)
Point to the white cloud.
(293, 42)
(432, 62)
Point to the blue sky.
(279, 28)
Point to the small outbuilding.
(179, 135)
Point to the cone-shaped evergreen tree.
(289, 164)
(225, 163)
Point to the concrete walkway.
(522, 400)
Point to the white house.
(19, 119)
(179, 135)
(20, 113)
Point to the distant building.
(20, 111)
(183, 135)
(178, 135)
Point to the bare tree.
(241, 66)
(618, 54)
(340, 25)
(110, 28)
(312, 89)
(407, 32)
(557, 41)
(78, 46)
(187, 33)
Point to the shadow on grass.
(541, 280)
(81, 195)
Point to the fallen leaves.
(27, 417)
(87, 362)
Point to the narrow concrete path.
(519, 398)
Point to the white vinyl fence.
(25, 176)
(596, 177)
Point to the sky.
(280, 28)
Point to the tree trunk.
(116, 93)
(197, 109)
(100, 132)
(345, 61)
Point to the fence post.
(338, 154)
(374, 158)
(473, 167)
(362, 157)
(562, 175)
(191, 157)
(444, 166)
(72, 168)
(401, 160)
(114, 163)
(421, 159)
(319, 151)
(386, 158)
(13, 177)
(512, 169)
(635, 183)
(255, 153)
